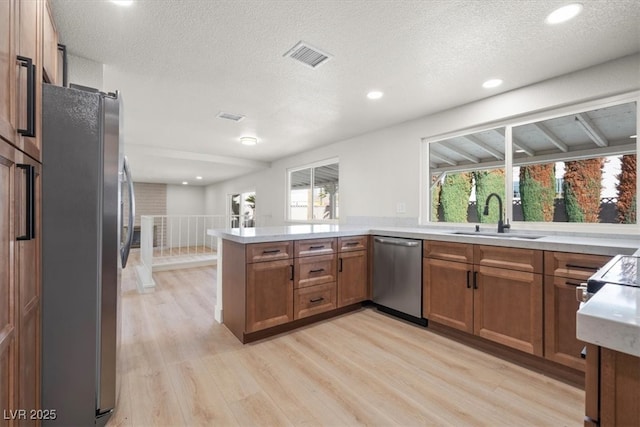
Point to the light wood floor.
(180, 368)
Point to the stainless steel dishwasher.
(397, 277)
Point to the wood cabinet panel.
(315, 270)
(7, 71)
(270, 251)
(448, 293)
(269, 296)
(8, 323)
(352, 277)
(508, 308)
(27, 45)
(353, 243)
(560, 305)
(50, 47)
(571, 265)
(448, 251)
(29, 362)
(508, 258)
(314, 299)
(313, 247)
(619, 389)
(592, 385)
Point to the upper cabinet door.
(7, 67)
(28, 88)
(50, 48)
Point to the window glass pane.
(325, 192)
(577, 168)
(465, 170)
(300, 194)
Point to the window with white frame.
(578, 165)
(313, 192)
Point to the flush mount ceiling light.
(185, 183)
(248, 140)
(375, 94)
(491, 83)
(563, 14)
(122, 2)
(198, 177)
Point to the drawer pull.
(468, 279)
(573, 283)
(340, 270)
(271, 251)
(319, 270)
(316, 299)
(583, 267)
(351, 244)
(315, 248)
(291, 272)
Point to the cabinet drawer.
(315, 247)
(573, 266)
(508, 258)
(271, 251)
(448, 251)
(314, 299)
(315, 270)
(354, 243)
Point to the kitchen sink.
(499, 235)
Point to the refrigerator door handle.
(124, 251)
(30, 206)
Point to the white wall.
(85, 72)
(380, 169)
(185, 200)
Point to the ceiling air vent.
(308, 55)
(229, 116)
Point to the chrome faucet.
(501, 224)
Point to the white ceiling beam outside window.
(517, 144)
(591, 130)
(551, 137)
(475, 141)
(463, 154)
(441, 157)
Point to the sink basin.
(499, 235)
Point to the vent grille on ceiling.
(229, 116)
(308, 55)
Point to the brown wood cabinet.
(353, 268)
(493, 292)
(21, 43)
(50, 67)
(271, 287)
(612, 391)
(563, 273)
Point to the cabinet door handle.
(319, 270)
(340, 269)
(30, 206)
(475, 280)
(270, 251)
(30, 131)
(583, 267)
(291, 272)
(468, 279)
(316, 299)
(315, 248)
(65, 75)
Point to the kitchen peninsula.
(275, 279)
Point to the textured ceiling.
(178, 63)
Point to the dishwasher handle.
(410, 243)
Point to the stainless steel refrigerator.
(85, 179)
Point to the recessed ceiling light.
(123, 2)
(198, 177)
(375, 94)
(633, 136)
(519, 151)
(185, 183)
(248, 140)
(491, 83)
(564, 13)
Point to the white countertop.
(611, 319)
(566, 242)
